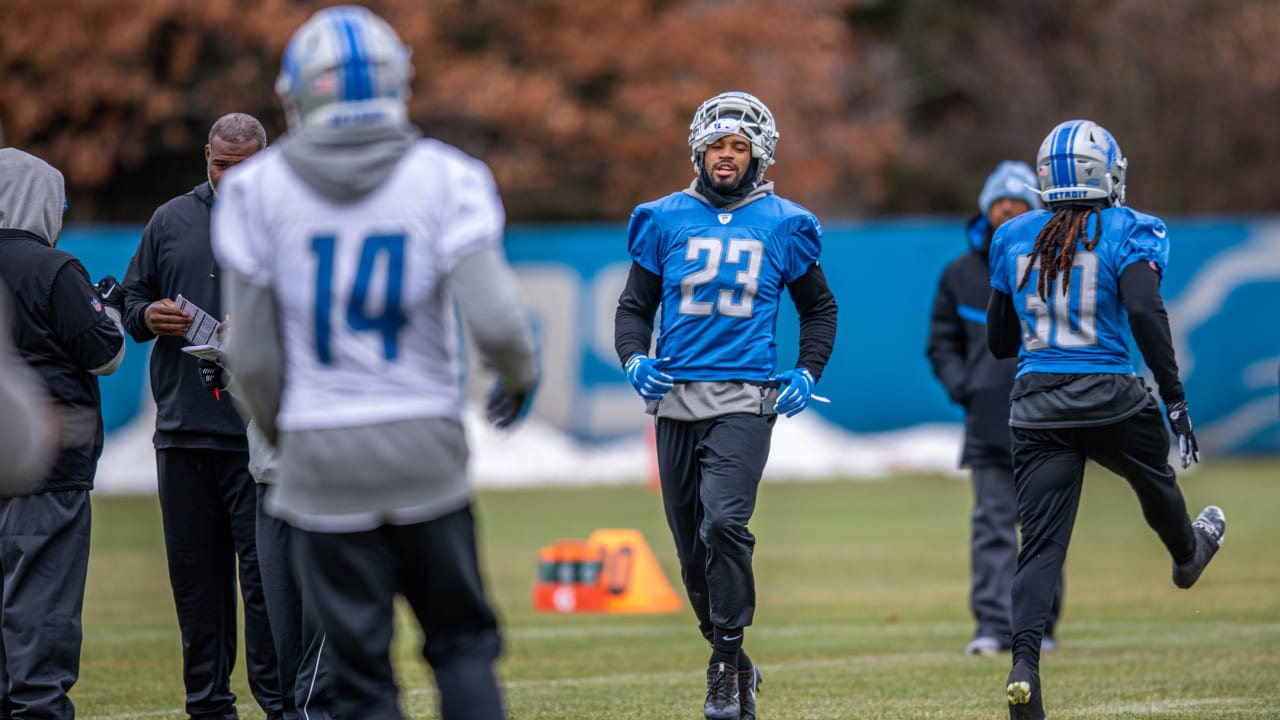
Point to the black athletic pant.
(1049, 471)
(993, 554)
(710, 474)
(304, 676)
(209, 505)
(44, 555)
(351, 579)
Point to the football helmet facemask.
(734, 113)
(345, 67)
(1080, 161)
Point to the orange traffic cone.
(632, 580)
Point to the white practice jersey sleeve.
(368, 322)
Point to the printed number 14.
(388, 320)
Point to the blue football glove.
(795, 397)
(650, 382)
(507, 407)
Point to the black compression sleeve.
(1140, 293)
(1004, 332)
(817, 307)
(633, 321)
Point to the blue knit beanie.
(1012, 179)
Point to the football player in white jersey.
(344, 247)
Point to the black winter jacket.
(61, 330)
(957, 349)
(175, 258)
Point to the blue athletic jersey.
(1086, 331)
(723, 274)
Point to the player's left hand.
(1180, 422)
(795, 397)
(507, 407)
(110, 292)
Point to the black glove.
(111, 293)
(506, 407)
(1180, 421)
(211, 375)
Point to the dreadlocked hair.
(1055, 247)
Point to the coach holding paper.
(208, 500)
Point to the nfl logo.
(97, 306)
(1044, 169)
(724, 218)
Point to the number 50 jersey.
(368, 323)
(1086, 330)
(722, 273)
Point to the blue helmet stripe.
(343, 66)
(360, 58)
(1071, 155)
(1062, 156)
(352, 63)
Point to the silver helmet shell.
(1080, 161)
(345, 67)
(734, 113)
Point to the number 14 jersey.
(368, 322)
(1087, 329)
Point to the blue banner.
(1222, 277)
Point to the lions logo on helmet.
(345, 67)
(1080, 162)
(734, 113)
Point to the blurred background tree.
(582, 107)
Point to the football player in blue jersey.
(716, 257)
(1072, 284)
(981, 383)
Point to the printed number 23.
(389, 316)
(747, 279)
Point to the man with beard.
(717, 257)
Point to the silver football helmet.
(734, 113)
(1078, 162)
(345, 67)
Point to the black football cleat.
(722, 693)
(1210, 527)
(1023, 693)
(748, 685)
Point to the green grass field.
(862, 611)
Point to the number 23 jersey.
(1086, 330)
(367, 319)
(723, 273)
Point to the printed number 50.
(1074, 318)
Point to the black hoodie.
(957, 349)
(174, 258)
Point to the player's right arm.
(633, 320)
(1143, 256)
